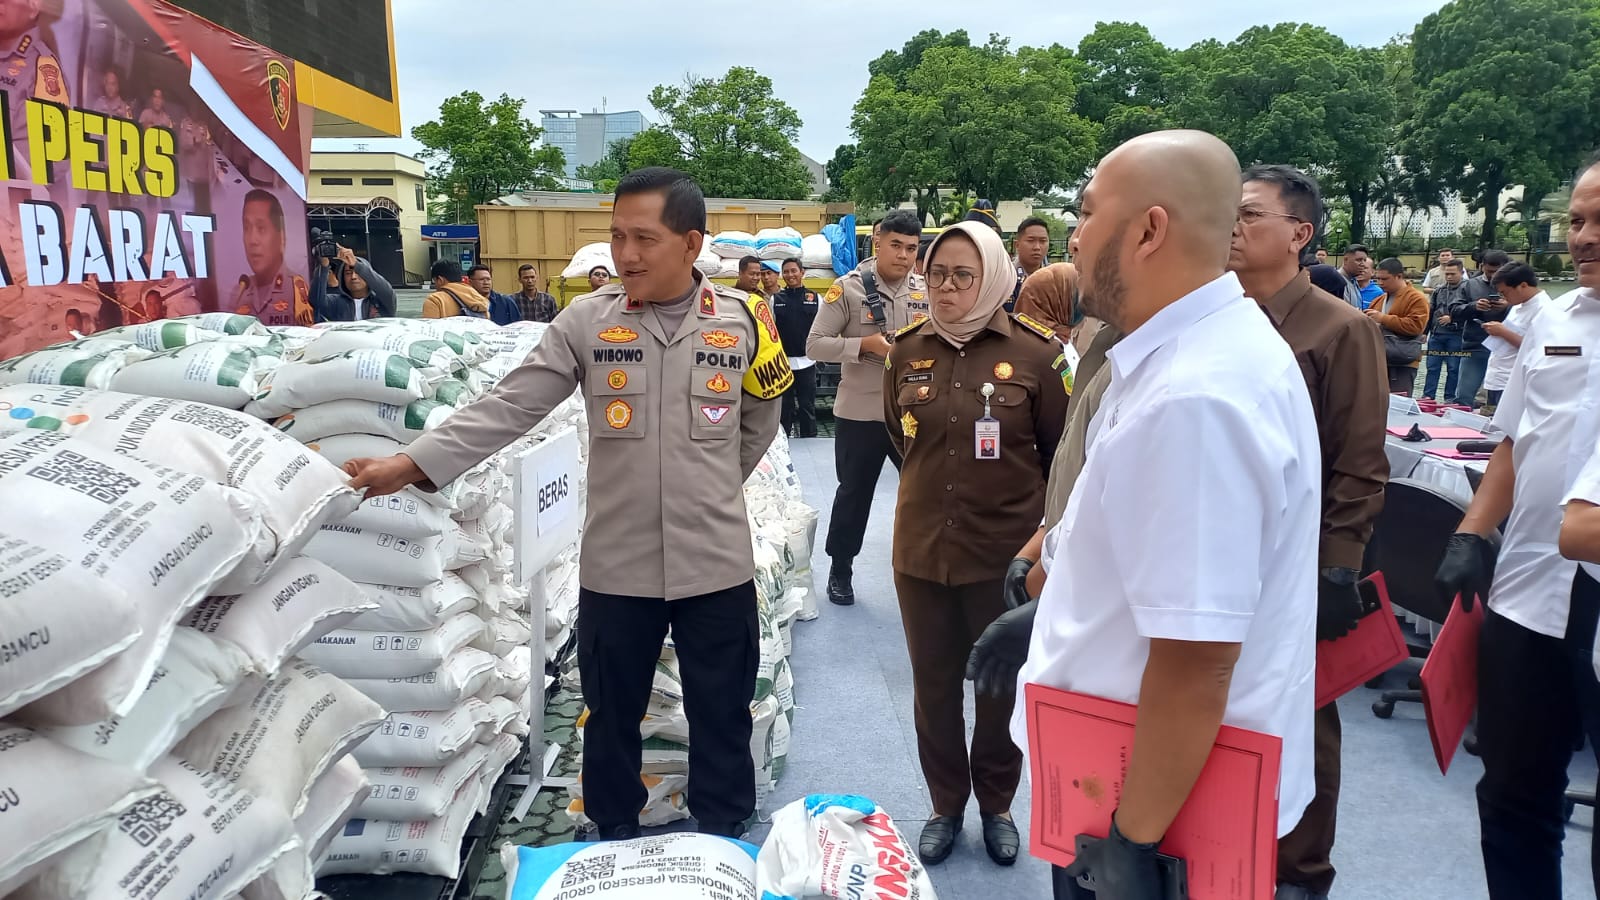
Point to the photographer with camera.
(345, 287)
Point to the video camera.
(323, 245)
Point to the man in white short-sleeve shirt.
(1536, 687)
(1182, 576)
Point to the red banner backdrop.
(153, 166)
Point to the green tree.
(479, 151)
(1128, 77)
(733, 135)
(984, 121)
(1297, 94)
(609, 170)
(656, 147)
(1505, 94)
(838, 169)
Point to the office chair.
(1408, 541)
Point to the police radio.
(869, 283)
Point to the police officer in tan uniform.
(269, 293)
(681, 379)
(29, 69)
(855, 331)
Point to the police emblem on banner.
(278, 89)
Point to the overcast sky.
(587, 55)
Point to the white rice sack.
(459, 677)
(165, 334)
(460, 333)
(663, 867)
(392, 654)
(405, 794)
(666, 801)
(820, 273)
(816, 253)
(455, 392)
(415, 608)
(507, 713)
(301, 600)
(780, 243)
(200, 838)
(509, 631)
(376, 375)
(730, 268)
(341, 448)
(42, 816)
(57, 621)
(587, 257)
(734, 244)
(70, 364)
(502, 750)
(403, 514)
(333, 798)
(371, 556)
(826, 846)
(515, 672)
(217, 373)
(430, 354)
(225, 323)
(197, 677)
(468, 494)
(426, 739)
(286, 736)
(166, 537)
(381, 847)
(402, 423)
(293, 490)
(708, 263)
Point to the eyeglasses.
(1249, 215)
(961, 278)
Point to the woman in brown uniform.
(975, 402)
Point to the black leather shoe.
(1000, 838)
(733, 830)
(938, 839)
(618, 832)
(840, 591)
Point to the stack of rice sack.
(724, 250)
(158, 737)
(215, 358)
(447, 650)
(776, 514)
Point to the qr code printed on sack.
(146, 820)
(598, 868)
(209, 418)
(74, 471)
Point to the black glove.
(1338, 603)
(1000, 651)
(1467, 568)
(1119, 869)
(1016, 589)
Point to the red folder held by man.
(1450, 681)
(1227, 832)
(1374, 647)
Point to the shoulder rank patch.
(708, 303)
(1034, 326)
(834, 293)
(909, 328)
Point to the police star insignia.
(618, 379)
(908, 425)
(1003, 371)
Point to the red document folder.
(1373, 648)
(1227, 833)
(1450, 681)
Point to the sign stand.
(547, 519)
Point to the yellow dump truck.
(546, 228)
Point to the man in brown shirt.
(1403, 312)
(1341, 355)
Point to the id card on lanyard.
(986, 431)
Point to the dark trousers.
(1473, 370)
(1537, 697)
(1494, 397)
(1402, 379)
(859, 449)
(619, 641)
(1304, 854)
(941, 623)
(1439, 343)
(800, 404)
